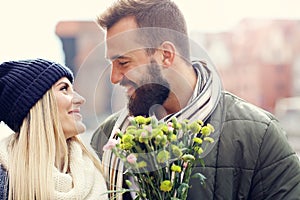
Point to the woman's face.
(69, 102)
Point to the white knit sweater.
(83, 182)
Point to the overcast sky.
(27, 27)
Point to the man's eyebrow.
(117, 57)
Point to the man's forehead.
(121, 44)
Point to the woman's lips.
(76, 114)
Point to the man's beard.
(151, 92)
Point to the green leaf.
(199, 176)
(182, 190)
(200, 161)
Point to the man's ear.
(168, 53)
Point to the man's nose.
(116, 74)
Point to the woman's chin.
(80, 127)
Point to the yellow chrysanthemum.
(197, 140)
(176, 168)
(173, 137)
(143, 138)
(127, 138)
(200, 150)
(140, 119)
(166, 186)
(209, 139)
(164, 128)
(141, 164)
(211, 127)
(156, 132)
(163, 156)
(127, 141)
(206, 131)
(164, 140)
(188, 157)
(195, 127)
(176, 151)
(200, 122)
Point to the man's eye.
(123, 63)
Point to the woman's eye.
(64, 88)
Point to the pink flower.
(148, 128)
(131, 158)
(170, 128)
(170, 124)
(185, 164)
(143, 134)
(110, 144)
(131, 118)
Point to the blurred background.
(255, 46)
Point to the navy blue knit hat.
(23, 83)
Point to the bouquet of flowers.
(160, 156)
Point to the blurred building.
(258, 60)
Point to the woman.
(44, 159)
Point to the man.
(148, 47)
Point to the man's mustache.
(125, 81)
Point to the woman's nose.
(78, 99)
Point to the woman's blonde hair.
(39, 147)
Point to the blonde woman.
(44, 159)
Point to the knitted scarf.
(83, 181)
(202, 103)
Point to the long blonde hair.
(39, 147)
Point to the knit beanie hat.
(23, 83)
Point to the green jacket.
(251, 159)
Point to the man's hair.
(162, 14)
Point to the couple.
(149, 50)
(148, 46)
